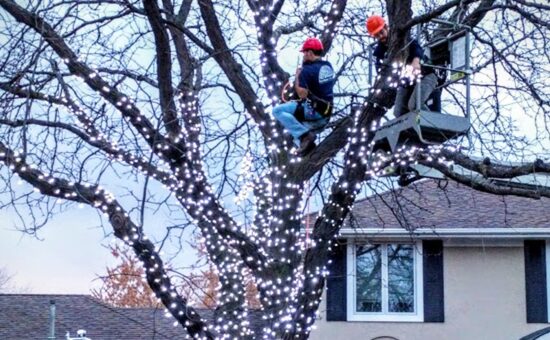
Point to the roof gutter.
(427, 233)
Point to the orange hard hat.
(312, 44)
(375, 24)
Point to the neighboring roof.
(26, 316)
(435, 206)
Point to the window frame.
(353, 315)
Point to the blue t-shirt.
(318, 78)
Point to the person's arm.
(378, 64)
(378, 55)
(416, 53)
(299, 81)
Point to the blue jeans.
(405, 100)
(284, 113)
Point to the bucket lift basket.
(450, 54)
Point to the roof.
(441, 206)
(27, 317)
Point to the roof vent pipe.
(52, 320)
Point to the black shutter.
(434, 306)
(337, 284)
(535, 281)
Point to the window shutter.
(337, 284)
(434, 306)
(535, 281)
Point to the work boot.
(307, 143)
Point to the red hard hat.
(375, 24)
(312, 44)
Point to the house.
(434, 260)
(27, 317)
(439, 260)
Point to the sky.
(71, 252)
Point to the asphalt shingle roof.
(431, 204)
(26, 317)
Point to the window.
(386, 281)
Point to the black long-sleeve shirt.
(415, 51)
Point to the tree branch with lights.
(168, 104)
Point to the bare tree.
(7, 284)
(146, 109)
(5, 279)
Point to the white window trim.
(418, 316)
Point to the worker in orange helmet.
(313, 84)
(405, 100)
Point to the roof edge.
(447, 232)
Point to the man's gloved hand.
(410, 72)
(415, 64)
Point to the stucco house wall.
(484, 287)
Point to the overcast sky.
(66, 259)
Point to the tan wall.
(484, 300)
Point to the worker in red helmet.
(405, 100)
(313, 83)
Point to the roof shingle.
(426, 204)
(27, 317)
